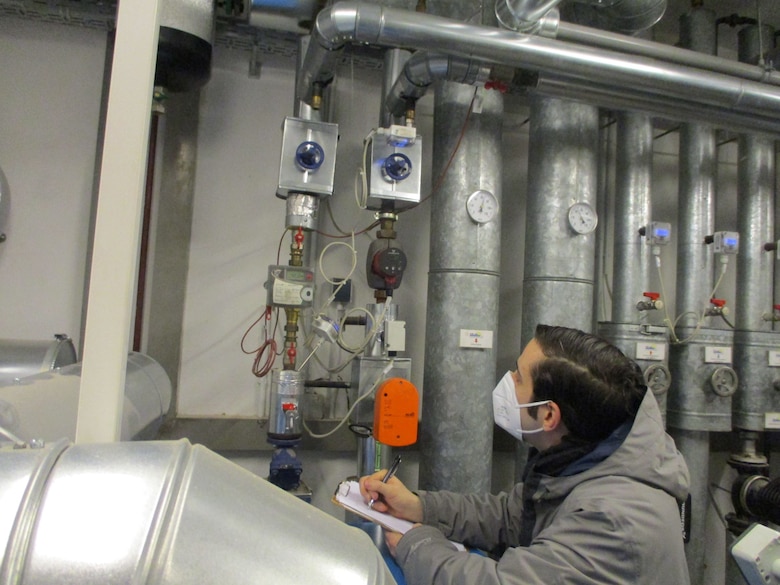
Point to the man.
(600, 492)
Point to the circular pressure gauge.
(482, 206)
(582, 218)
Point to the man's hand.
(392, 497)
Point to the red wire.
(268, 345)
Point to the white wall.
(49, 112)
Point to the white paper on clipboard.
(348, 496)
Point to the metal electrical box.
(308, 160)
(396, 168)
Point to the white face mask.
(506, 409)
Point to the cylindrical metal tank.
(22, 357)
(161, 513)
(45, 406)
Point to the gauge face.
(582, 218)
(482, 206)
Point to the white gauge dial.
(582, 218)
(482, 206)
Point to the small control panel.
(289, 286)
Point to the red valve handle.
(718, 302)
(298, 237)
(653, 296)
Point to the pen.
(390, 473)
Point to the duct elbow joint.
(542, 21)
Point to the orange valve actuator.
(396, 409)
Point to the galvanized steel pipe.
(753, 336)
(456, 441)
(632, 255)
(562, 170)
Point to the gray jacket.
(615, 523)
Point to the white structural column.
(117, 227)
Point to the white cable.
(667, 318)
(362, 397)
(344, 280)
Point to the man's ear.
(552, 418)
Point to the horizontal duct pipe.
(584, 35)
(647, 78)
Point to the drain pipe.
(697, 402)
(640, 81)
(754, 340)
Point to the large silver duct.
(456, 439)
(639, 81)
(694, 407)
(754, 339)
(44, 406)
(165, 513)
(20, 358)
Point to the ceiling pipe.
(584, 35)
(749, 104)
(422, 69)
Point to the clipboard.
(348, 496)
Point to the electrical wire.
(269, 345)
(360, 398)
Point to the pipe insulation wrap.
(558, 277)
(45, 406)
(164, 513)
(423, 68)
(456, 438)
(633, 193)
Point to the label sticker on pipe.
(774, 358)
(650, 351)
(476, 338)
(772, 421)
(717, 354)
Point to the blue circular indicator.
(397, 167)
(309, 156)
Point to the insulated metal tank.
(161, 513)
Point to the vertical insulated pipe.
(558, 279)
(690, 403)
(753, 337)
(456, 440)
(633, 169)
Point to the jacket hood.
(647, 454)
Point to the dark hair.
(595, 385)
